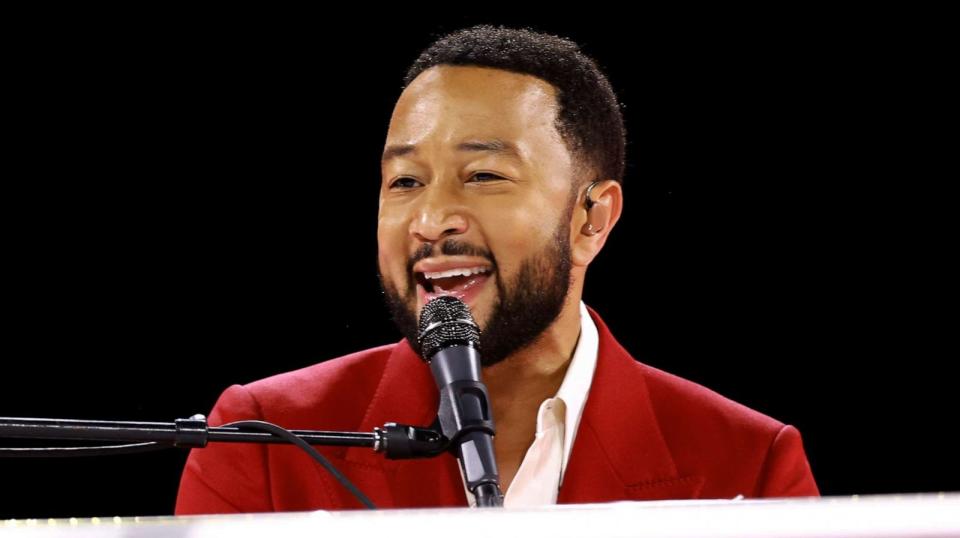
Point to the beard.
(525, 306)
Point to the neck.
(519, 384)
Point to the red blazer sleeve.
(786, 472)
(227, 477)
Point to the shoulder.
(674, 398)
(321, 396)
(737, 449)
(705, 432)
(735, 446)
(678, 403)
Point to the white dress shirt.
(540, 474)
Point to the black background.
(191, 202)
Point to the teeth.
(465, 271)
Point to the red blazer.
(644, 435)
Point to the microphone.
(450, 343)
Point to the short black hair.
(588, 112)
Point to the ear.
(590, 227)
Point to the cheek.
(391, 254)
(516, 235)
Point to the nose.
(439, 214)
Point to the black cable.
(289, 436)
(80, 451)
(111, 450)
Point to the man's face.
(475, 201)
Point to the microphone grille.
(446, 321)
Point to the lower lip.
(466, 293)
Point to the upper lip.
(435, 265)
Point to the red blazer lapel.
(619, 452)
(407, 394)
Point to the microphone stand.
(395, 441)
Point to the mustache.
(450, 247)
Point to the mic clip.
(191, 432)
(399, 441)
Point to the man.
(501, 181)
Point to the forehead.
(450, 104)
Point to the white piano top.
(927, 515)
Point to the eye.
(404, 183)
(484, 177)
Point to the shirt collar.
(576, 383)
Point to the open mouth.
(452, 282)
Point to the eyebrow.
(495, 146)
(397, 150)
